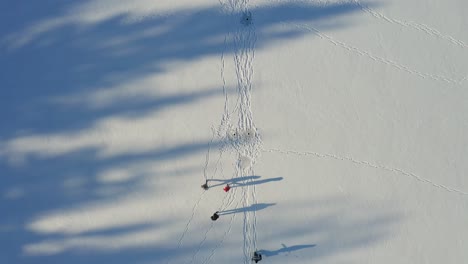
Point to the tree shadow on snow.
(332, 225)
(65, 73)
(65, 62)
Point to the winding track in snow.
(230, 198)
(213, 251)
(402, 23)
(368, 164)
(242, 137)
(244, 40)
(410, 24)
(197, 203)
(376, 58)
(234, 137)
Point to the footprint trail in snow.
(237, 128)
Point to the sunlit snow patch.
(245, 162)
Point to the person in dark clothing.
(215, 216)
(205, 186)
(256, 257)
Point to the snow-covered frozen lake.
(340, 126)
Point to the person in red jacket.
(227, 188)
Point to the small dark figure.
(256, 257)
(215, 216)
(205, 186)
(227, 188)
(246, 19)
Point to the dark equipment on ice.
(205, 186)
(215, 216)
(246, 19)
(256, 257)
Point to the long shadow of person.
(232, 182)
(253, 207)
(241, 181)
(284, 249)
(258, 182)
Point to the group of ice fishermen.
(256, 255)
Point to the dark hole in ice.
(246, 18)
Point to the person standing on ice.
(227, 188)
(215, 216)
(256, 257)
(205, 186)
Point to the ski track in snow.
(212, 253)
(245, 231)
(225, 203)
(375, 58)
(194, 208)
(414, 25)
(368, 164)
(244, 39)
(235, 139)
(230, 198)
(179, 243)
(242, 139)
(200, 245)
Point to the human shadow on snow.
(251, 208)
(232, 181)
(330, 226)
(242, 181)
(284, 249)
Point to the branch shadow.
(73, 60)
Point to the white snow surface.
(341, 127)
